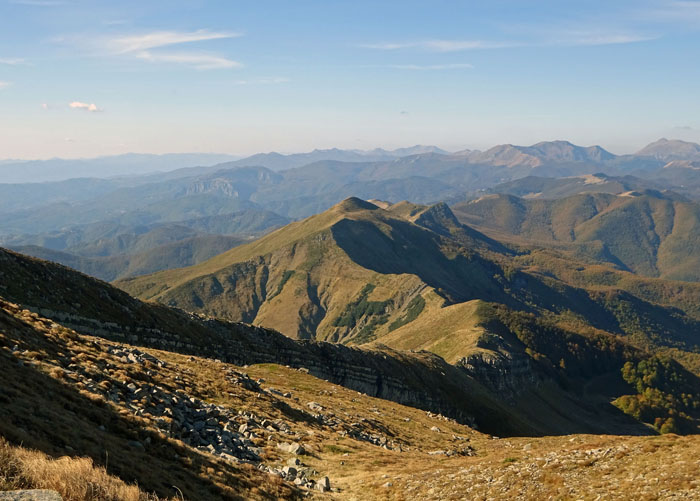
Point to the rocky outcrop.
(420, 380)
(505, 373)
(30, 495)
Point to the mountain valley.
(528, 328)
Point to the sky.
(91, 78)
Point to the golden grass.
(451, 332)
(75, 479)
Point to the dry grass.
(76, 479)
(578, 467)
(46, 405)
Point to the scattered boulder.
(293, 448)
(323, 484)
(135, 444)
(315, 406)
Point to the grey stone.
(135, 444)
(31, 495)
(293, 448)
(315, 406)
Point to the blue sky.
(88, 78)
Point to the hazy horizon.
(367, 150)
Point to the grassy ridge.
(651, 234)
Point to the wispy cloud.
(439, 45)
(200, 61)
(432, 67)
(137, 43)
(91, 107)
(39, 3)
(262, 81)
(583, 39)
(683, 11)
(12, 61)
(568, 39)
(4, 85)
(152, 47)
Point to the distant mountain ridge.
(540, 154)
(277, 161)
(649, 233)
(669, 150)
(129, 164)
(547, 187)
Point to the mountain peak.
(671, 149)
(438, 217)
(353, 204)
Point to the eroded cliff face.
(484, 392)
(508, 374)
(422, 380)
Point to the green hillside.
(651, 234)
(357, 273)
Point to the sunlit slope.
(349, 274)
(453, 332)
(651, 234)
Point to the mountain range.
(301, 191)
(274, 331)
(359, 274)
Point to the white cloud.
(77, 105)
(262, 81)
(200, 61)
(137, 43)
(12, 61)
(433, 67)
(601, 39)
(44, 106)
(4, 85)
(149, 47)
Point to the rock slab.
(31, 495)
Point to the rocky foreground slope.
(179, 426)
